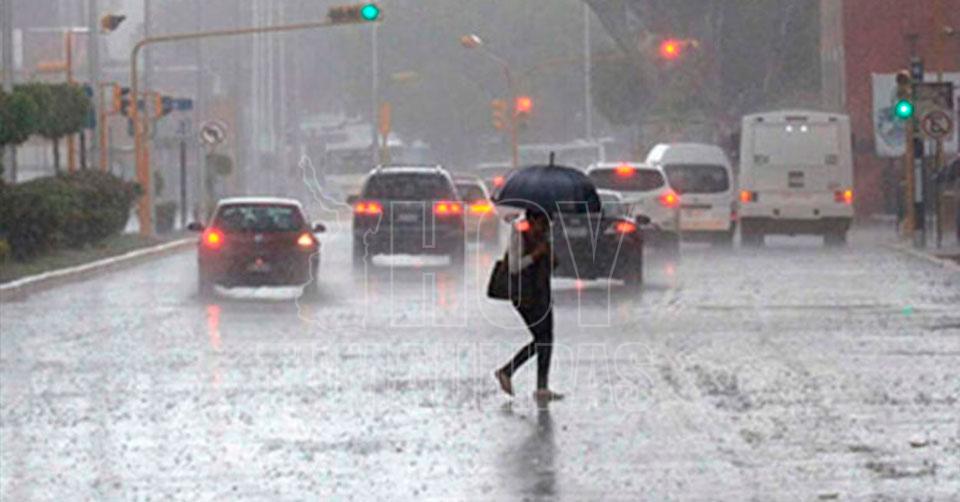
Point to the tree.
(19, 116)
(63, 110)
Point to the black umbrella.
(549, 189)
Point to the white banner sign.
(889, 131)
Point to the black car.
(597, 246)
(408, 210)
(257, 241)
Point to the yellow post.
(102, 130)
(71, 140)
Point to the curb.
(908, 250)
(20, 288)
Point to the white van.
(796, 176)
(702, 175)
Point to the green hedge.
(71, 210)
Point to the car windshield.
(697, 178)
(259, 218)
(470, 192)
(628, 180)
(408, 186)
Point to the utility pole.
(9, 73)
(587, 68)
(375, 97)
(93, 60)
(147, 60)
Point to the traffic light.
(671, 49)
(360, 13)
(110, 22)
(499, 109)
(903, 108)
(523, 106)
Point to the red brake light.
(523, 225)
(481, 207)
(446, 208)
(670, 199)
(746, 196)
(212, 238)
(624, 170)
(625, 227)
(305, 240)
(368, 208)
(498, 181)
(843, 196)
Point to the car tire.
(671, 245)
(835, 238)
(311, 290)
(359, 253)
(634, 277)
(205, 283)
(750, 237)
(724, 239)
(457, 255)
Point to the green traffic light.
(903, 109)
(370, 12)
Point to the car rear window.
(697, 178)
(259, 218)
(470, 192)
(408, 186)
(636, 180)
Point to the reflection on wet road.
(790, 370)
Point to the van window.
(697, 178)
(637, 180)
(794, 144)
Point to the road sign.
(213, 132)
(930, 96)
(937, 124)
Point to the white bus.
(796, 176)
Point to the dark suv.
(257, 241)
(408, 210)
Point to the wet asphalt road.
(788, 373)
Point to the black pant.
(539, 319)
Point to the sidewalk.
(948, 253)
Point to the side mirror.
(642, 219)
(195, 227)
(319, 228)
(352, 199)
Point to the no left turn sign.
(937, 124)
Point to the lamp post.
(473, 41)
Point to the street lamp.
(473, 41)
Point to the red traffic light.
(670, 49)
(523, 105)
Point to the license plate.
(575, 231)
(408, 218)
(694, 213)
(258, 266)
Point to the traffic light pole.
(514, 126)
(141, 151)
